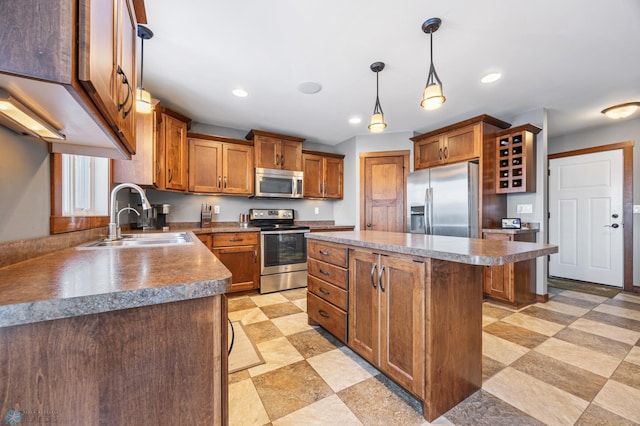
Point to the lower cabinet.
(327, 287)
(387, 315)
(513, 283)
(240, 253)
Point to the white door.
(585, 221)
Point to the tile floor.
(573, 360)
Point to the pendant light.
(432, 98)
(143, 98)
(377, 123)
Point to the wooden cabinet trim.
(484, 118)
(219, 139)
(323, 154)
(253, 133)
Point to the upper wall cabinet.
(323, 175)
(275, 151)
(220, 165)
(161, 159)
(74, 63)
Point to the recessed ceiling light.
(241, 93)
(309, 87)
(491, 77)
(355, 120)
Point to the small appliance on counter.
(155, 217)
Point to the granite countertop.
(456, 249)
(72, 282)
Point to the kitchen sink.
(156, 239)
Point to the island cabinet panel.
(386, 316)
(159, 364)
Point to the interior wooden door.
(383, 178)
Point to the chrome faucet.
(114, 222)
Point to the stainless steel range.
(283, 249)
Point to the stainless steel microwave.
(276, 183)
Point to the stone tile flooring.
(573, 360)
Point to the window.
(80, 189)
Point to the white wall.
(24, 187)
(616, 131)
(347, 211)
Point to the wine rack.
(516, 159)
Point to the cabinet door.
(175, 139)
(126, 59)
(402, 327)
(242, 262)
(267, 152)
(428, 153)
(290, 155)
(312, 166)
(498, 280)
(205, 166)
(97, 60)
(237, 166)
(363, 304)
(462, 144)
(333, 177)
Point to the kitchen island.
(410, 304)
(115, 336)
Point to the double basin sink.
(155, 239)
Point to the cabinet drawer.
(327, 272)
(225, 239)
(328, 252)
(333, 319)
(328, 292)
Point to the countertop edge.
(484, 260)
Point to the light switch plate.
(636, 208)
(317, 210)
(524, 208)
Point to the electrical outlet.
(216, 209)
(317, 210)
(636, 208)
(524, 208)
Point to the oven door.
(283, 251)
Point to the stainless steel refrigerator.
(444, 200)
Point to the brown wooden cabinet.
(172, 150)
(275, 151)
(513, 283)
(240, 253)
(516, 159)
(327, 283)
(471, 139)
(323, 175)
(387, 315)
(87, 48)
(220, 165)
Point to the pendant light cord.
(141, 62)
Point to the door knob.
(368, 225)
(615, 215)
(615, 225)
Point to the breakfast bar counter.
(409, 304)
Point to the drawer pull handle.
(373, 271)
(323, 314)
(324, 253)
(234, 240)
(323, 272)
(323, 291)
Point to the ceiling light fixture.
(491, 77)
(143, 98)
(377, 123)
(355, 120)
(241, 93)
(21, 119)
(621, 111)
(432, 97)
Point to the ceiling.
(572, 57)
